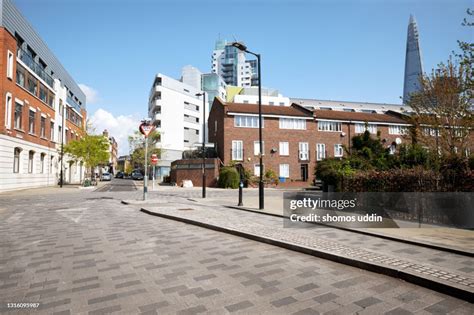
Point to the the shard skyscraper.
(413, 64)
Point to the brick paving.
(443, 266)
(86, 253)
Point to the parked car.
(106, 177)
(137, 175)
(119, 175)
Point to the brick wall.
(193, 171)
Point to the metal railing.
(73, 103)
(34, 66)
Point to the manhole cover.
(185, 209)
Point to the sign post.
(146, 128)
(153, 160)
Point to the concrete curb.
(391, 238)
(436, 285)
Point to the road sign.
(146, 129)
(154, 159)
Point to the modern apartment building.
(232, 65)
(176, 112)
(294, 137)
(41, 107)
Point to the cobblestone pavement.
(85, 253)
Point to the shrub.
(271, 177)
(228, 178)
(332, 171)
(471, 162)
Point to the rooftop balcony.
(73, 103)
(34, 66)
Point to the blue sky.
(350, 50)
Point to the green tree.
(93, 150)
(137, 148)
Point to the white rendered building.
(176, 112)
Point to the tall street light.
(243, 48)
(203, 94)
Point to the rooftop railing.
(73, 103)
(34, 66)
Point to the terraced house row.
(295, 138)
(41, 108)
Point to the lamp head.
(239, 46)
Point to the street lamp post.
(61, 175)
(203, 94)
(243, 48)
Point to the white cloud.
(119, 127)
(92, 96)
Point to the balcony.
(35, 67)
(73, 104)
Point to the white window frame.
(256, 148)
(284, 148)
(16, 160)
(292, 123)
(237, 146)
(10, 59)
(31, 162)
(361, 128)
(330, 126)
(42, 159)
(8, 111)
(256, 169)
(303, 151)
(320, 154)
(338, 150)
(242, 121)
(284, 170)
(397, 130)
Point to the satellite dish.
(398, 141)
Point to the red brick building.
(40, 107)
(294, 138)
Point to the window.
(18, 115)
(292, 123)
(66, 135)
(338, 150)
(271, 103)
(8, 111)
(20, 76)
(397, 130)
(285, 170)
(9, 65)
(51, 99)
(16, 160)
(282, 103)
(360, 128)
(31, 156)
(256, 169)
(60, 134)
(42, 163)
(43, 95)
(32, 85)
(284, 148)
(303, 151)
(247, 121)
(256, 148)
(320, 151)
(51, 164)
(31, 122)
(43, 127)
(51, 131)
(329, 126)
(237, 150)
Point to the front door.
(304, 172)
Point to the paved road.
(118, 184)
(86, 253)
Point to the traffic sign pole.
(145, 178)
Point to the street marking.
(69, 214)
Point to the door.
(304, 172)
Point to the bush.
(228, 178)
(332, 171)
(471, 162)
(271, 177)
